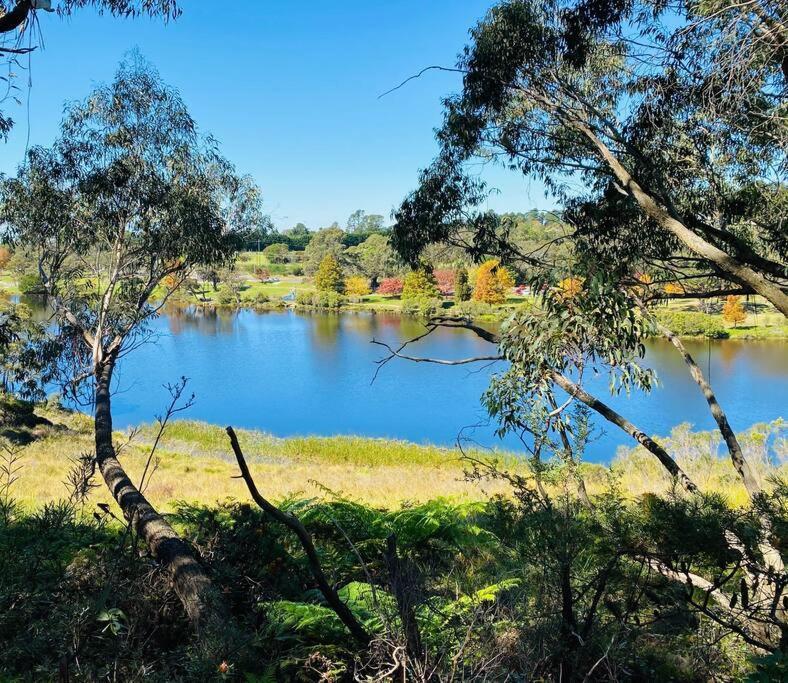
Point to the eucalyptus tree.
(131, 195)
(669, 115)
(671, 119)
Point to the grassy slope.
(195, 464)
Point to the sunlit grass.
(194, 463)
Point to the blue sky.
(290, 89)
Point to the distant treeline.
(299, 241)
(360, 226)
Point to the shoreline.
(194, 462)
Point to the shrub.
(31, 285)
(319, 299)
(262, 274)
(390, 286)
(421, 305)
(226, 297)
(276, 253)
(420, 283)
(329, 276)
(686, 324)
(356, 287)
(260, 299)
(474, 309)
(298, 270)
(493, 282)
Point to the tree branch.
(294, 524)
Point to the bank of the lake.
(194, 463)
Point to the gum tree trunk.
(191, 583)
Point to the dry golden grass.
(194, 463)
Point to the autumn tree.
(419, 283)
(356, 287)
(329, 276)
(390, 286)
(493, 282)
(129, 195)
(444, 278)
(733, 311)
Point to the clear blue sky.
(290, 89)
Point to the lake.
(291, 373)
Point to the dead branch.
(294, 524)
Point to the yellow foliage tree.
(356, 286)
(493, 282)
(570, 287)
(674, 288)
(733, 311)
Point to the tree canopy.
(671, 120)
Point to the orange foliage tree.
(493, 282)
(733, 311)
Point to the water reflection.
(293, 373)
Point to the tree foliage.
(327, 241)
(671, 117)
(462, 287)
(329, 276)
(277, 253)
(733, 311)
(493, 282)
(356, 286)
(419, 283)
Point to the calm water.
(293, 374)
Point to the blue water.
(295, 374)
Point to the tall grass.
(195, 464)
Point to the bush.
(260, 299)
(298, 270)
(421, 305)
(474, 309)
(686, 324)
(31, 285)
(226, 297)
(390, 286)
(277, 253)
(319, 299)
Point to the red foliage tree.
(390, 286)
(445, 280)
